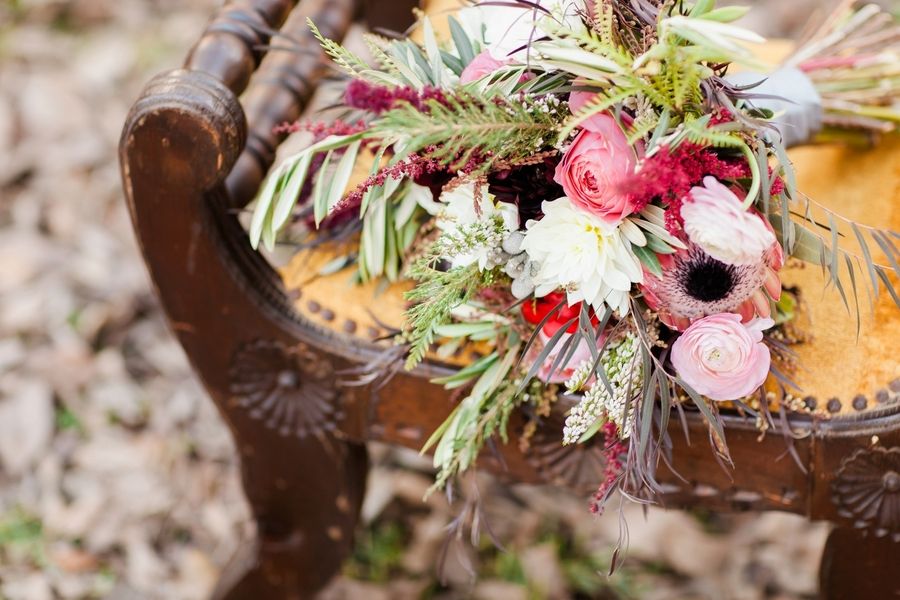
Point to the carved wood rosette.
(292, 390)
(866, 491)
(579, 467)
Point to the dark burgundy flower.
(435, 181)
(527, 187)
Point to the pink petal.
(762, 303)
(773, 284)
(747, 311)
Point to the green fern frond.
(698, 131)
(604, 20)
(600, 103)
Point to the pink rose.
(481, 65)
(596, 123)
(593, 168)
(722, 358)
(715, 220)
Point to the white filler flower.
(715, 220)
(582, 254)
(473, 229)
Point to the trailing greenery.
(481, 415)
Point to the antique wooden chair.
(194, 150)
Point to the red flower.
(535, 310)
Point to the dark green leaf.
(649, 259)
(461, 41)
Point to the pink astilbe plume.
(321, 130)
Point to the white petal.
(633, 233)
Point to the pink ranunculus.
(595, 164)
(481, 65)
(722, 358)
(715, 220)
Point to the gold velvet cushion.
(835, 366)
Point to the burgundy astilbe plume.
(415, 167)
(669, 176)
(377, 99)
(614, 451)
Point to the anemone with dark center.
(694, 285)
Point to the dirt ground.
(117, 477)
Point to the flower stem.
(754, 172)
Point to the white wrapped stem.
(798, 108)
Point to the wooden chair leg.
(855, 566)
(305, 523)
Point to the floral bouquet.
(589, 193)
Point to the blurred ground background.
(118, 479)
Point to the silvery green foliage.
(518, 266)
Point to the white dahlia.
(583, 255)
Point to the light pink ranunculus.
(722, 358)
(481, 65)
(715, 220)
(594, 166)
